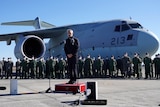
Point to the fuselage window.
(125, 27)
(117, 28)
(130, 37)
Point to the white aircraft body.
(105, 38)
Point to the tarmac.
(117, 92)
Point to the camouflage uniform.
(1, 69)
(41, 68)
(61, 66)
(18, 68)
(148, 66)
(9, 66)
(94, 67)
(32, 68)
(106, 66)
(80, 67)
(51, 65)
(137, 65)
(126, 66)
(119, 65)
(88, 67)
(99, 65)
(112, 66)
(24, 65)
(156, 62)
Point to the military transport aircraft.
(105, 38)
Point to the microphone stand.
(49, 90)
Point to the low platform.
(70, 88)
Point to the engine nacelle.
(29, 46)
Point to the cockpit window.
(120, 28)
(125, 27)
(117, 28)
(135, 25)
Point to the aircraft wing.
(42, 33)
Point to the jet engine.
(29, 46)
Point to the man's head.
(147, 54)
(70, 32)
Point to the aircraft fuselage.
(114, 37)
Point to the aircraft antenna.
(130, 18)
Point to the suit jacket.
(71, 46)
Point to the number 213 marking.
(118, 40)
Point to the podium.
(70, 88)
(92, 99)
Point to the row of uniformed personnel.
(87, 67)
(124, 66)
(51, 68)
(6, 68)
(25, 69)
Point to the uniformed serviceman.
(106, 66)
(94, 67)
(32, 68)
(99, 65)
(80, 67)
(148, 66)
(126, 66)
(57, 71)
(41, 68)
(61, 68)
(156, 62)
(51, 65)
(137, 65)
(71, 50)
(119, 65)
(158, 71)
(9, 66)
(4, 68)
(112, 66)
(88, 67)
(1, 69)
(18, 69)
(24, 65)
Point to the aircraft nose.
(148, 42)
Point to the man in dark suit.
(71, 50)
